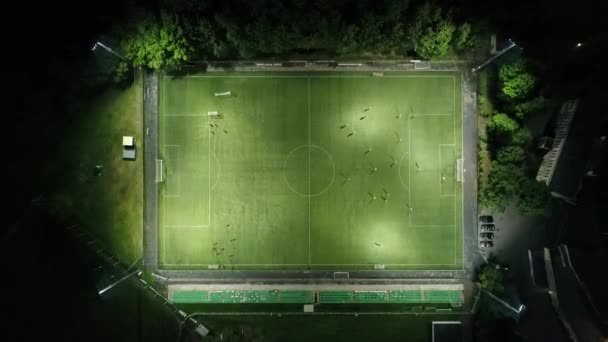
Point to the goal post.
(422, 65)
(160, 171)
(459, 170)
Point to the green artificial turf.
(276, 182)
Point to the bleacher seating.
(325, 297)
(226, 297)
(371, 296)
(261, 296)
(442, 296)
(405, 296)
(296, 297)
(190, 297)
(247, 296)
(335, 297)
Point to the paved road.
(469, 203)
(150, 150)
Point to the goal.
(421, 65)
(160, 172)
(377, 74)
(459, 170)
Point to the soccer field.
(322, 171)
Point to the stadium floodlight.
(579, 44)
(511, 45)
(107, 48)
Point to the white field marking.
(315, 76)
(454, 138)
(219, 172)
(337, 76)
(209, 170)
(401, 162)
(333, 265)
(193, 226)
(171, 115)
(309, 202)
(164, 154)
(333, 163)
(462, 156)
(179, 185)
(416, 115)
(409, 172)
(441, 172)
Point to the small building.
(128, 148)
(447, 331)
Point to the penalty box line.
(441, 194)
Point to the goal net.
(225, 93)
(459, 170)
(160, 172)
(422, 65)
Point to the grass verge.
(110, 205)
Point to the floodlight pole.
(495, 56)
(117, 282)
(107, 48)
(123, 278)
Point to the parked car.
(488, 236)
(486, 219)
(486, 243)
(487, 228)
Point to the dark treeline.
(173, 32)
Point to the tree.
(200, 34)
(431, 33)
(512, 154)
(155, 45)
(501, 129)
(521, 137)
(533, 197)
(536, 104)
(370, 34)
(464, 38)
(502, 186)
(515, 80)
(349, 42)
(436, 41)
(491, 279)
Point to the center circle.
(309, 170)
